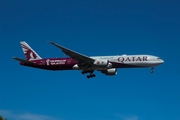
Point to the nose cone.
(162, 61)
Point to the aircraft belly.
(131, 65)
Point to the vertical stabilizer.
(29, 53)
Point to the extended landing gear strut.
(91, 75)
(89, 71)
(152, 70)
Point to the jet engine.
(102, 64)
(112, 71)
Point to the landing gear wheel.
(88, 76)
(89, 71)
(91, 75)
(152, 70)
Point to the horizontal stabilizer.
(22, 60)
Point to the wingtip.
(50, 42)
(23, 41)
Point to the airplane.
(107, 65)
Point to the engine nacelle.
(112, 71)
(102, 64)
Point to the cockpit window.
(158, 58)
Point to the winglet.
(61, 47)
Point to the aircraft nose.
(162, 61)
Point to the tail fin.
(29, 53)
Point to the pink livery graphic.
(107, 65)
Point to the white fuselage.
(135, 60)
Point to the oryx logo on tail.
(29, 53)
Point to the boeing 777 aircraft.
(107, 65)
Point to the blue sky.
(93, 27)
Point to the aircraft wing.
(74, 55)
(22, 60)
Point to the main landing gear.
(89, 71)
(91, 75)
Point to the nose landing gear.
(152, 70)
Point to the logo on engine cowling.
(98, 62)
